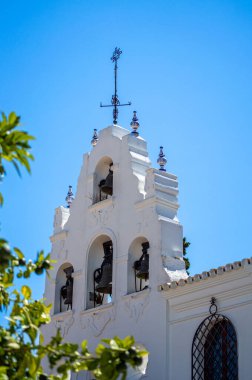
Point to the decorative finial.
(162, 160)
(69, 197)
(94, 138)
(115, 102)
(134, 124)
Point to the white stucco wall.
(188, 306)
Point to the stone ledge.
(102, 204)
(62, 315)
(135, 295)
(98, 309)
(61, 235)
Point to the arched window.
(214, 349)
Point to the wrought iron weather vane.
(115, 103)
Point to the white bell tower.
(137, 219)
(115, 244)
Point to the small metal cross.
(116, 54)
(115, 103)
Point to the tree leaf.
(12, 118)
(26, 291)
(19, 253)
(14, 345)
(1, 199)
(84, 346)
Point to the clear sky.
(186, 67)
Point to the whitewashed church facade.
(135, 226)
(120, 269)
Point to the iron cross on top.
(115, 103)
(116, 54)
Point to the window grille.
(214, 348)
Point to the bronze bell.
(107, 186)
(67, 290)
(104, 277)
(142, 265)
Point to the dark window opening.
(214, 350)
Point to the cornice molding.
(156, 201)
(102, 204)
(98, 309)
(59, 236)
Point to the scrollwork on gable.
(97, 321)
(135, 306)
(101, 216)
(64, 324)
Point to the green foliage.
(14, 145)
(21, 342)
(186, 244)
(22, 346)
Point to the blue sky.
(186, 67)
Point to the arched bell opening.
(138, 265)
(100, 272)
(103, 180)
(64, 288)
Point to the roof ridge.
(207, 274)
